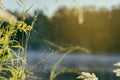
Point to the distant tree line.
(97, 30)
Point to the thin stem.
(52, 76)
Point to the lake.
(101, 64)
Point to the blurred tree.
(97, 30)
(115, 27)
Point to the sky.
(50, 6)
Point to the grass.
(12, 53)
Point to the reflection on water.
(100, 64)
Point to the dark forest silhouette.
(97, 30)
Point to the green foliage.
(12, 63)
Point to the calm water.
(102, 65)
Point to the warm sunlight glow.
(81, 18)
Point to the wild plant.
(12, 53)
